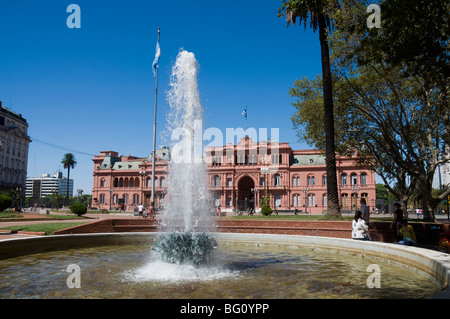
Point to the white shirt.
(359, 228)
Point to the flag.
(156, 60)
(245, 112)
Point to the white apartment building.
(46, 185)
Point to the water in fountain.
(185, 219)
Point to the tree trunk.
(332, 188)
(67, 192)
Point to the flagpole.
(246, 114)
(154, 137)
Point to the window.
(324, 180)
(163, 182)
(296, 200)
(216, 200)
(135, 199)
(311, 180)
(229, 182)
(354, 179)
(276, 159)
(277, 199)
(344, 179)
(216, 181)
(311, 200)
(102, 198)
(216, 161)
(277, 180)
(344, 201)
(262, 181)
(324, 201)
(295, 181)
(102, 183)
(363, 179)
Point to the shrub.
(78, 208)
(5, 202)
(266, 210)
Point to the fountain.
(188, 208)
(187, 259)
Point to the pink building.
(239, 175)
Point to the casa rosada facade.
(239, 176)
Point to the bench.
(104, 211)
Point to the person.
(360, 230)
(364, 210)
(398, 218)
(408, 234)
(141, 210)
(149, 212)
(444, 242)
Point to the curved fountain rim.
(434, 263)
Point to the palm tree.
(68, 161)
(315, 10)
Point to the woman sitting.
(360, 228)
(407, 231)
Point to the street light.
(111, 191)
(306, 190)
(142, 174)
(355, 189)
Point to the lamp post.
(355, 189)
(110, 197)
(254, 191)
(142, 174)
(306, 190)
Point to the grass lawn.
(5, 215)
(48, 228)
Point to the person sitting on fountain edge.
(407, 231)
(360, 228)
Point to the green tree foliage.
(392, 112)
(5, 202)
(78, 208)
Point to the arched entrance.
(246, 197)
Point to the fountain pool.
(245, 266)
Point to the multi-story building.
(38, 187)
(14, 141)
(239, 176)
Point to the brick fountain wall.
(380, 231)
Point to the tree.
(5, 202)
(409, 54)
(69, 162)
(395, 115)
(78, 208)
(315, 10)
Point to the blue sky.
(92, 89)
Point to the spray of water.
(186, 218)
(188, 205)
